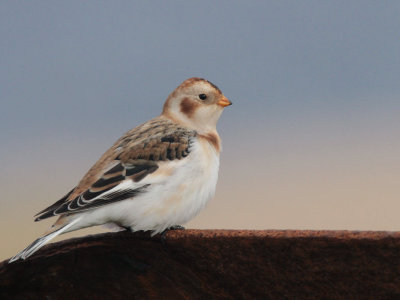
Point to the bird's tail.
(40, 242)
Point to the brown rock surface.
(211, 264)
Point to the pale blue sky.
(68, 65)
(315, 86)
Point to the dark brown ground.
(211, 264)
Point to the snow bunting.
(158, 175)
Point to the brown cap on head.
(190, 81)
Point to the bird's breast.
(189, 186)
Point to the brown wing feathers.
(55, 205)
(137, 159)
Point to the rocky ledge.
(211, 264)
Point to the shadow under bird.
(156, 176)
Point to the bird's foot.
(127, 228)
(176, 227)
(163, 237)
(140, 234)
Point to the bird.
(156, 176)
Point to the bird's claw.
(163, 237)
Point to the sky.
(311, 142)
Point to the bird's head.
(197, 103)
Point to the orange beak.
(224, 102)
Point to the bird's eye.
(203, 96)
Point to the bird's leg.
(163, 237)
(138, 233)
(127, 228)
(176, 227)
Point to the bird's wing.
(119, 173)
